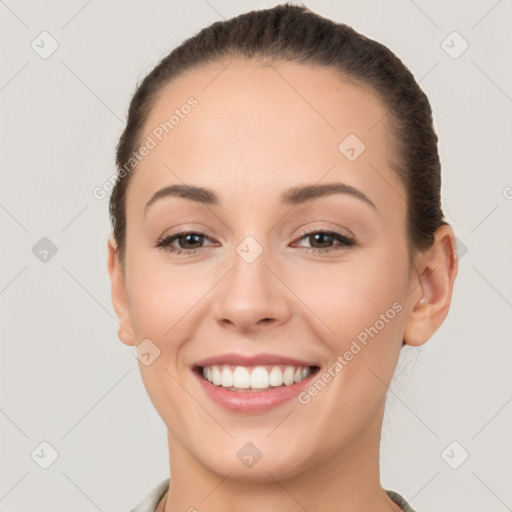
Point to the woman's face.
(273, 275)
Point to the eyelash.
(165, 242)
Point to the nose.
(252, 297)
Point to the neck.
(344, 481)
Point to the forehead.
(276, 123)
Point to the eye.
(325, 239)
(188, 242)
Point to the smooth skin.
(259, 129)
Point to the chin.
(259, 461)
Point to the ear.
(432, 288)
(118, 293)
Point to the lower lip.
(252, 401)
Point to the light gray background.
(65, 377)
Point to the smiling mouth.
(257, 378)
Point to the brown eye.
(188, 242)
(192, 239)
(323, 241)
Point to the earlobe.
(118, 294)
(432, 290)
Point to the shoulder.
(400, 501)
(149, 503)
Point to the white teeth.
(226, 378)
(241, 377)
(257, 377)
(216, 377)
(276, 376)
(288, 375)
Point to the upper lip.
(252, 360)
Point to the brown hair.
(293, 33)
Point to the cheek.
(167, 303)
(352, 295)
(362, 304)
(157, 294)
(161, 307)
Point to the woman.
(277, 238)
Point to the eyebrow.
(293, 196)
